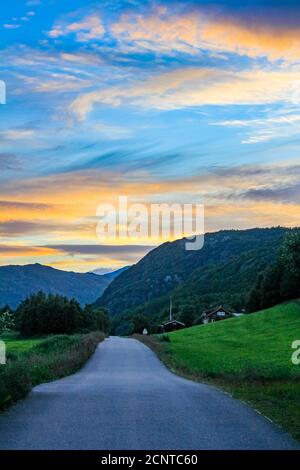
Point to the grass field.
(16, 345)
(36, 360)
(256, 345)
(248, 356)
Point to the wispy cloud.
(265, 129)
(18, 22)
(283, 194)
(137, 250)
(17, 134)
(195, 87)
(99, 255)
(59, 82)
(24, 205)
(21, 228)
(111, 132)
(12, 251)
(13, 228)
(86, 29)
(11, 26)
(9, 161)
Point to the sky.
(161, 101)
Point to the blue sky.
(158, 100)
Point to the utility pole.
(171, 306)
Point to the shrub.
(7, 320)
(165, 338)
(42, 314)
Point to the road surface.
(125, 398)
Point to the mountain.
(111, 275)
(223, 271)
(17, 282)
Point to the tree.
(88, 319)
(187, 315)
(6, 308)
(254, 301)
(281, 281)
(7, 320)
(270, 287)
(102, 319)
(139, 322)
(52, 314)
(290, 262)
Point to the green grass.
(258, 344)
(248, 356)
(17, 345)
(33, 361)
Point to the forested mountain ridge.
(18, 282)
(223, 271)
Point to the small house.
(217, 314)
(172, 325)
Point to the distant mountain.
(17, 282)
(222, 272)
(111, 275)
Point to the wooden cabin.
(172, 325)
(217, 314)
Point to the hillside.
(222, 272)
(17, 282)
(257, 345)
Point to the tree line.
(281, 281)
(42, 314)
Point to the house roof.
(215, 310)
(169, 322)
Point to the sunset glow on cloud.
(160, 101)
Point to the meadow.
(257, 345)
(16, 345)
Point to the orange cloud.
(196, 87)
(163, 30)
(12, 251)
(237, 197)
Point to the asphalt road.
(124, 398)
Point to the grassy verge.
(34, 361)
(250, 357)
(16, 345)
